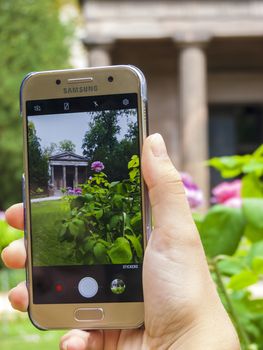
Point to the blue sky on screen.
(72, 126)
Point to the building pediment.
(67, 156)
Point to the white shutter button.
(88, 287)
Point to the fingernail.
(64, 346)
(158, 146)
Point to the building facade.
(67, 170)
(203, 61)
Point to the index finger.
(15, 216)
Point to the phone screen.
(85, 199)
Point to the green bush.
(233, 242)
(32, 39)
(100, 214)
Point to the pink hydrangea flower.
(97, 166)
(193, 192)
(228, 193)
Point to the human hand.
(182, 307)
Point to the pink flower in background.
(193, 193)
(2, 215)
(227, 193)
(97, 166)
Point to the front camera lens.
(110, 79)
(58, 81)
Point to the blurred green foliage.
(19, 333)
(32, 38)
(7, 235)
(233, 242)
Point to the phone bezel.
(42, 85)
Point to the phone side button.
(89, 314)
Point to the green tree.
(32, 38)
(101, 143)
(50, 150)
(38, 163)
(66, 146)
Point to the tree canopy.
(102, 142)
(32, 38)
(38, 162)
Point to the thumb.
(167, 195)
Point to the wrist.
(216, 332)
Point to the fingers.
(18, 297)
(166, 191)
(14, 256)
(80, 340)
(15, 216)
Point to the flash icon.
(66, 106)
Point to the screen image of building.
(203, 61)
(67, 170)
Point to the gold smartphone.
(87, 215)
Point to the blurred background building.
(203, 61)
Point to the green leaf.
(254, 165)
(105, 243)
(136, 222)
(88, 197)
(117, 200)
(253, 211)
(8, 234)
(134, 162)
(65, 234)
(258, 152)
(253, 233)
(76, 227)
(133, 173)
(198, 219)
(115, 221)
(136, 243)
(114, 183)
(229, 166)
(242, 280)
(251, 187)
(255, 250)
(257, 264)
(100, 253)
(77, 202)
(231, 266)
(88, 244)
(256, 306)
(221, 230)
(98, 213)
(120, 252)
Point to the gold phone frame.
(42, 86)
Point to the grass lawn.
(47, 219)
(20, 334)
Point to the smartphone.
(86, 211)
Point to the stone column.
(99, 54)
(52, 175)
(193, 108)
(64, 177)
(76, 176)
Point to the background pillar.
(193, 108)
(99, 54)
(64, 177)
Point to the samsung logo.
(80, 89)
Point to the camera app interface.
(85, 199)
